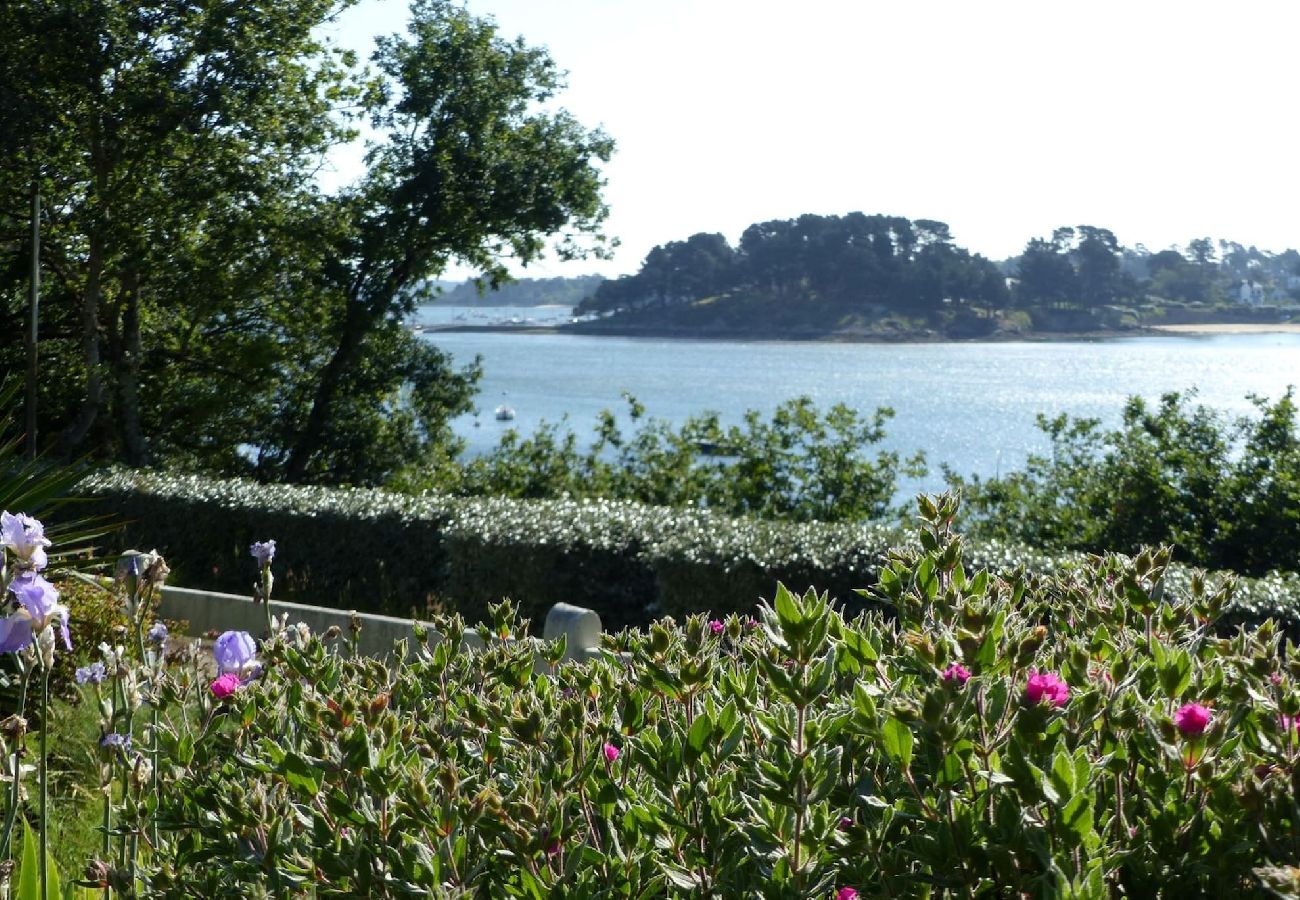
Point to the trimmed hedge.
(411, 555)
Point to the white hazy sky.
(1162, 121)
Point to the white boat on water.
(504, 413)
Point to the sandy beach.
(1232, 328)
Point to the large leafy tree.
(175, 145)
(205, 302)
(472, 167)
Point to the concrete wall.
(210, 611)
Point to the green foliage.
(1225, 493)
(205, 304)
(787, 756)
(367, 549)
(43, 488)
(843, 263)
(801, 465)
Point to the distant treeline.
(893, 263)
(524, 292)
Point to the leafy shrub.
(382, 552)
(800, 465)
(1082, 734)
(1225, 493)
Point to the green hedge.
(407, 555)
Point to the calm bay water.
(971, 405)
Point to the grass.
(75, 802)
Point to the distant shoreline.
(1232, 328)
(863, 337)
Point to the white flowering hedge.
(396, 553)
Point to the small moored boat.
(504, 413)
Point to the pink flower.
(845, 823)
(1047, 686)
(1192, 719)
(611, 753)
(847, 893)
(716, 626)
(1286, 723)
(1275, 679)
(224, 686)
(956, 672)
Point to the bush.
(380, 552)
(801, 465)
(1225, 493)
(1081, 734)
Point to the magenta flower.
(1047, 686)
(1287, 723)
(716, 626)
(1192, 719)
(611, 752)
(957, 672)
(847, 893)
(234, 651)
(263, 552)
(224, 686)
(25, 538)
(845, 823)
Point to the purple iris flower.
(113, 739)
(25, 536)
(15, 633)
(39, 606)
(95, 673)
(234, 651)
(157, 634)
(264, 552)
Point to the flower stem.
(45, 729)
(12, 812)
(266, 599)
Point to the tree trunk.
(355, 326)
(77, 429)
(134, 448)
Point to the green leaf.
(52, 886)
(698, 737)
(786, 610)
(1063, 772)
(897, 740)
(685, 880)
(301, 775)
(29, 872)
(1077, 817)
(927, 580)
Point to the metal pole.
(34, 311)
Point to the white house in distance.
(1251, 293)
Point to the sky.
(1162, 121)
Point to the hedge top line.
(652, 533)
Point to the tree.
(207, 304)
(1046, 275)
(1097, 266)
(175, 145)
(469, 169)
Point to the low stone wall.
(206, 611)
